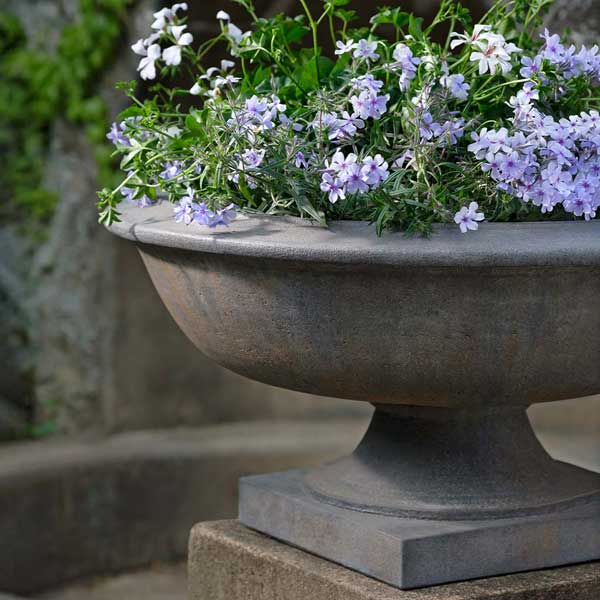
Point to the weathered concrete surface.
(230, 562)
(411, 552)
(71, 509)
(160, 582)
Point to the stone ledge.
(230, 562)
(71, 509)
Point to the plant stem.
(313, 27)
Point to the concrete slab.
(230, 562)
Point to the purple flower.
(456, 85)
(367, 104)
(117, 136)
(553, 50)
(366, 49)
(128, 194)
(145, 201)
(255, 107)
(375, 170)
(531, 66)
(511, 166)
(171, 170)
(252, 159)
(184, 211)
(427, 126)
(339, 163)
(367, 83)
(300, 161)
(355, 180)
(450, 131)
(347, 126)
(407, 63)
(467, 218)
(334, 187)
(203, 214)
(224, 216)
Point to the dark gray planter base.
(409, 553)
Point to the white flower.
(147, 66)
(479, 33)
(173, 131)
(495, 53)
(164, 17)
(429, 61)
(467, 218)
(196, 89)
(236, 34)
(172, 54)
(223, 16)
(139, 48)
(209, 73)
(345, 48)
(226, 65)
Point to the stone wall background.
(85, 343)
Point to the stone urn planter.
(450, 337)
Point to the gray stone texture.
(75, 509)
(229, 562)
(450, 440)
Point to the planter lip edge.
(535, 243)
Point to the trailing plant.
(498, 122)
(36, 87)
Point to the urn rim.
(539, 243)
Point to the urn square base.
(410, 553)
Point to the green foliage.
(37, 87)
(223, 152)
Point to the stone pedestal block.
(230, 562)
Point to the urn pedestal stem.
(451, 464)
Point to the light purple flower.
(117, 136)
(531, 67)
(467, 218)
(128, 194)
(553, 50)
(355, 180)
(184, 211)
(255, 107)
(375, 170)
(456, 85)
(171, 170)
(367, 83)
(369, 105)
(224, 216)
(366, 49)
(203, 214)
(252, 158)
(406, 63)
(427, 126)
(300, 161)
(333, 186)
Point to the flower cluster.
(544, 161)
(165, 27)
(349, 175)
(497, 122)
